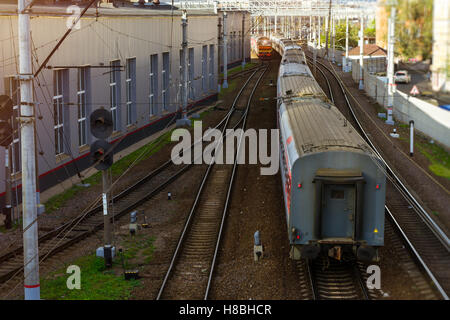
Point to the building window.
(131, 90)
(191, 73)
(12, 89)
(83, 74)
(211, 67)
(60, 85)
(204, 67)
(114, 93)
(153, 83)
(165, 77)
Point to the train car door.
(338, 211)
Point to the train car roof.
(318, 126)
(300, 86)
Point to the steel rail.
(230, 186)
(434, 228)
(199, 192)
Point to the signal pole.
(390, 66)
(225, 52)
(107, 233)
(361, 55)
(30, 226)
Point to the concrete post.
(390, 70)
(225, 52)
(30, 225)
(8, 206)
(333, 28)
(184, 121)
(243, 41)
(361, 55)
(276, 24)
(319, 34)
(411, 138)
(346, 41)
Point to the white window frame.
(152, 88)
(58, 110)
(113, 95)
(130, 89)
(82, 105)
(165, 82)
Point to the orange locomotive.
(264, 48)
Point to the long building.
(125, 59)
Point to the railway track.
(329, 279)
(91, 221)
(191, 268)
(426, 241)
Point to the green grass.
(438, 156)
(15, 225)
(96, 283)
(231, 87)
(239, 68)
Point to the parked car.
(402, 76)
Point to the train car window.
(337, 194)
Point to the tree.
(414, 28)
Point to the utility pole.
(327, 31)
(361, 55)
(319, 34)
(346, 41)
(184, 121)
(27, 118)
(310, 28)
(276, 23)
(243, 41)
(219, 50)
(225, 52)
(390, 67)
(8, 206)
(315, 57)
(333, 28)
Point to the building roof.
(369, 50)
(124, 8)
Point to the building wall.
(441, 46)
(429, 119)
(235, 32)
(96, 43)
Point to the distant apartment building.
(440, 66)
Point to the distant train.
(262, 46)
(334, 186)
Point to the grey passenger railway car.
(334, 186)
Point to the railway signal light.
(101, 123)
(101, 153)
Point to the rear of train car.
(333, 185)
